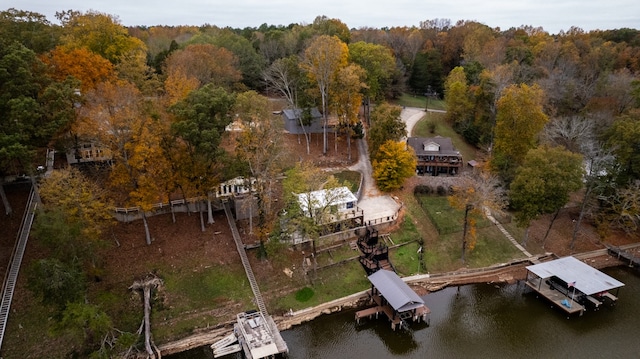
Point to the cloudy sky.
(552, 15)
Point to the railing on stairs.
(245, 260)
(16, 260)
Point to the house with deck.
(334, 209)
(436, 156)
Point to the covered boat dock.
(572, 285)
(393, 297)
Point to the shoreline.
(507, 273)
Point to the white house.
(339, 199)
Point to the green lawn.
(446, 218)
(409, 100)
(351, 179)
(329, 284)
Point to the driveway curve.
(375, 204)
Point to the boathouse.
(395, 299)
(572, 285)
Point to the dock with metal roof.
(572, 285)
(393, 297)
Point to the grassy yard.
(409, 100)
(351, 179)
(329, 284)
(446, 218)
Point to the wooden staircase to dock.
(16, 260)
(245, 261)
(277, 338)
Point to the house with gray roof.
(311, 121)
(436, 156)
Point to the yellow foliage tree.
(178, 85)
(347, 98)
(394, 163)
(81, 200)
(322, 60)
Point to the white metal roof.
(586, 279)
(401, 297)
(324, 197)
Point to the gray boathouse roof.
(401, 297)
(584, 277)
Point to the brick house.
(436, 156)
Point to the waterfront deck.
(571, 284)
(258, 336)
(560, 300)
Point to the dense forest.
(158, 100)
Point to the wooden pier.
(622, 253)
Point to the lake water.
(477, 321)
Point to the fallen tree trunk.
(146, 285)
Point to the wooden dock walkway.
(623, 253)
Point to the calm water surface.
(477, 321)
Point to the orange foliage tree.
(86, 66)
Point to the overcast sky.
(552, 15)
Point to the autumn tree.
(250, 63)
(519, 120)
(88, 67)
(543, 183)
(322, 60)
(115, 116)
(286, 78)
(80, 200)
(107, 116)
(386, 125)
(74, 216)
(144, 174)
(100, 33)
(477, 193)
(347, 98)
(331, 27)
(259, 146)
(206, 63)
(393, 164)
